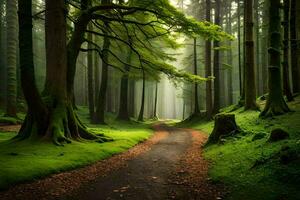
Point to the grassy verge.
(29, 160)
(258, 169)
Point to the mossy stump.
(278, 135)
(225, 125)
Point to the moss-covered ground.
(257, 169)
(29, 160)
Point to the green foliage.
(46, 159)
(256, 168)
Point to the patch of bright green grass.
(252, 169)
(28, 160)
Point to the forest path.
(169, 165)
(172, 169)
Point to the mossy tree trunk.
(276, 104)
(286, 49)
(55, 119)
(11, 19)
(250, 85)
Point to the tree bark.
(123, 108)
(11, 17)
(90, 64)
(276, 104)
(298, 38)
(286, 63)
(239, 46)
(208, 66)
(250, 85)
(216, 68)
(155, 101)
(141, 114)
(62, 123)
(37, 110)
(101, 103)
(196, 105)
(229, 56)
(293, 39)
(264, 47)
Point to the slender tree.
(101, 101)
(239, 46)
(11, 18)
(90, 64)
(250, 85)
(216, 67)
(293, 39)
(264, 46)
(2, 68)
(298, 36)
(141, 114)
(208, 66)
(102, 91)
(229, 54)
(196, 101)
(123, 107)
(286, 49)
(155, 101)
(276, 104)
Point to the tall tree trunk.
(96, 75)
(216, 68)
(276, 104)
(37, 110)
(2, 68)
(11, 17)
(229, 56)
(141, 114)
(101, 103)
(286, 63)
(131, 100)
(90, 65)
(196, 105)
(239, 46)
(155, 101)
(264, 46)
(250, 85)
(208, 66)
(298, 37)
(123, 107)
(293, 38)
(63, 123)
(257, 47)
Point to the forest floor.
(248, 164)
(169, 165)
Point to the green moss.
(254, 169)
(27, 160)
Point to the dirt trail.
(170, 165)
(173, 169)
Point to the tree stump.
(225, 125)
